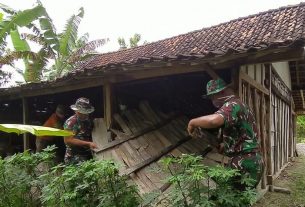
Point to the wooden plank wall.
(253, 92)
(282, 130)
(273, 114)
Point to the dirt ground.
(293, 178)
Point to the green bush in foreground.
(91, 183)
(30, 180)
(192, 185)
(20, 185)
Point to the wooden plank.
(100, 134)
(154, 158)
(151, 145)
(108, 96)
(125, 137)
(263, 134)
(258, 102)
(149, 112)
(277, 146)
(247, 78)
(240, 83)
(269, 124)
(281, 190)
(122, 124)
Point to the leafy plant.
(64, 50)
(300, 129)
(19, 178)
(33, 129)
(194, 184)
(91, 183)
(30, 180)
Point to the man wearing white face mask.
(240, 137)
(79, 145)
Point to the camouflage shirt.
(82, 130)
(239, 130)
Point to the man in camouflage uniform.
(240, 137)
(79, 145)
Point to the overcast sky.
(154, 19)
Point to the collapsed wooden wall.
(144, 136)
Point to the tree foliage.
(133, 41)
(301, 129)
(58, 53)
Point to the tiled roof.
(273, 28)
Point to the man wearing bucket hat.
(79, 145)
(240, 137)
(56, 120)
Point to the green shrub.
(191, 182)
(91, 183)
(300, 134)
(30, 180)
(19, 183)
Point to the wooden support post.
(108, 104)
(211, 72)
(263, 136)
(269, 123)
(25, 113)
(235, 79)
(240, 84)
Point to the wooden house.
(146, 95)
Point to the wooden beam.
(288, 54)
(259, 57)
(269, 124)
(211, 72)
(281, 190)
(51, 88)
(297, 72)
(108, 107)
(252, 82)
(302, 96)
(138, 74)
(275, 90)
(25, 114)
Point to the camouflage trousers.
(250, 165)
(76, 158)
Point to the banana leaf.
(35, 130)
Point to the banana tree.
(9, 27)
(65, 49)
(73, 50)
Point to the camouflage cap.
(83, 106)
(215, 86)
